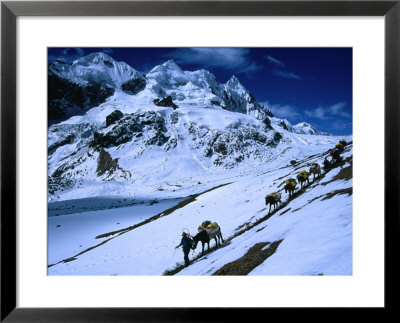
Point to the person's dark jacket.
(186, 243)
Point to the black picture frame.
(10, 10)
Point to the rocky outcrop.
(165, 102)
(134, 86)
(113, 117)
(109, 169)
(66, 99)
(105, 163)
(147, 126)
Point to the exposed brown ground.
(253, 258)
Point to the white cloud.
(249, 68)
(340, 125)
(236, 59)
(282, 111)
(287, 75)
(71, 52)
(275, 61)
(67, 55)
(281, 72)
(318, 113)
(338, 110)
(326, 113)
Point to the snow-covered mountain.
(122, 130)
(85, 83)
(74, 86)
(95, 68)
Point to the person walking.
(186, 244)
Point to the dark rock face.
(165, 102)
(108, 63)
(113, 117)
(269, 113)
(66, 99)
(134, 86)
(277, 138)
(221, 148)
(284, 126)
(148, 126)
(105, 163)
(267, 122)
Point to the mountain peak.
(96, 58)
(233, 80)
(96, 67)
(170, 61)
(166, 67)
(171, 65)
(305, 128)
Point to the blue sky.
(300, 84)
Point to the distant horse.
(340, 146)
(315, 169)
(205, 236)
(327, 164)
(273, 199)
(302, 177)
(290, 186)
(336, 158)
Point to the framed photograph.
(152, 149)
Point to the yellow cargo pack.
(291, 182)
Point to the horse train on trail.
(303, 177)
(208, 230)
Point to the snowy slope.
(314, 229)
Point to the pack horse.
(273, 199)
(208, 230)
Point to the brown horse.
(205, 236)
(273, 199)
(303, 177)
(290, 186)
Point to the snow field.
(316, 233)
(71, 234)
